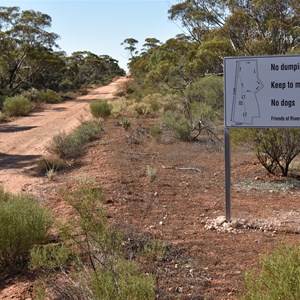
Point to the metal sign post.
(261, 91)
(227, 174)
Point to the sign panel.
(262, 91)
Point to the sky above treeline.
(100, 26)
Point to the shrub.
(178, 124)
(154, 249)
(66, 146)
(101, 272)
(278, 278)
(48, 96)
(207, 90)
(156, 131)
(50, 163)
(151, 173)
(23, 224)
(124, 283)
(49, 256)
(119, 106)
(17, 106)
(140, 108)
(88, 131)
(31, 94)
(100, 109)
(274, 148)
(73, 145)
(154, 101)
(3, 118)
(125, 123)
(201, 111)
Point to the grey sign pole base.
(227, 174)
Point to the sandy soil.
(182, 205)
(24, 140)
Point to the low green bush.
(66, 145)
(48, 96)
(154, 250)
(73, 144)
(100, 109)
(48, 163)
(3, 118)
(151, 173)
(125, 282)
(156, 131)
(23, 224)
(49, 257)
(31, 94)
(17, 106)
(207, 90)
(124, 122)
(178, 124)
(99, 269)
(88, 131)
(278, 277)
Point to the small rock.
(220, 220)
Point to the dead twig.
(182, 168)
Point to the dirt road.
(24, 140)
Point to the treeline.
(30, 57)
(190, 65)
(215, 29)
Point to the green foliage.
(48, 96)
(178, 124)
(110, 276)
(100, 108)
(73, 144)
(201, 112)
(88, 131)
(208, 90)
(154, 101)
(3, 117)
(23, 224)
(156, 131)
(85, 67)
(49, 257)
(140, 108)
(39, 291)
(17, 106)
(278, 276)
(48, 163)
(29, 58)
(251, 29)
(66, 146)
(151, 173)
(274, 148)
(119, 106)
(86, 199)
(124, 283)
(125, 123)
(155, 250)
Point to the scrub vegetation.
(178, 86)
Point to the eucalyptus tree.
(130, 45)
(85, 67)
(252, 26)
(26, 47)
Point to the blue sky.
(100, 26)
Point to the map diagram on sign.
(245, 106)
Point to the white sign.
(262, 91)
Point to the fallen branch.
(182, 168)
